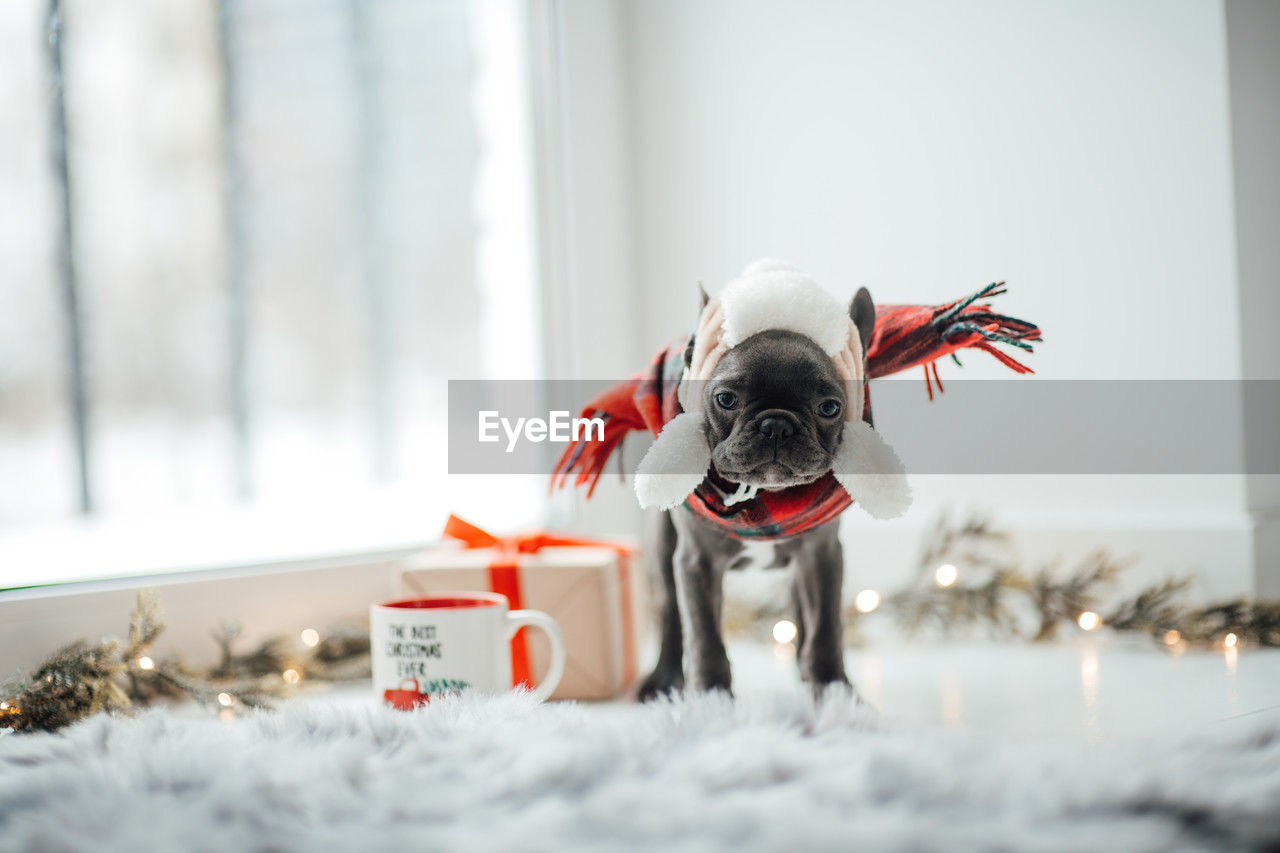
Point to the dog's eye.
(727, 399)
(829, 408)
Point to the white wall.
(1079, 150)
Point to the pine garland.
(992, 592)
(84, 679)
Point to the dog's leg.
(819, 575)
(702, 554)
(668, 675)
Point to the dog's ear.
(703, 299)
(863, 313)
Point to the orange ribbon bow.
(504, 579)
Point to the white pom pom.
(768, 265)
(871, 472)
(676, 463)
(772, 295)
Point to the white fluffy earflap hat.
(773, 295)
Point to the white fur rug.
(764, 773)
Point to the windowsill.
(372, 523)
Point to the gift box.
(592, 589)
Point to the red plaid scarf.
(904, 336)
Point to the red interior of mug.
(448, 601)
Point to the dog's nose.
(778, 429)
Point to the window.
(286, 223)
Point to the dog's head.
(772, 394)
(775, 406)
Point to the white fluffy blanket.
(764, 773)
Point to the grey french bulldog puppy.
(774, 414)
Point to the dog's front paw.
(707, 676)
(663, 681)
(840, 690)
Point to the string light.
(291, 676)
(225, 700)
(1230, 640)
(867, 600)
(946, 574)
(1172, 637)
(784, 631)
(1089, 620)
(310, 637)
(145, 662)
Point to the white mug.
(451, 642)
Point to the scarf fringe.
(588, 458)
(910, 335)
